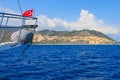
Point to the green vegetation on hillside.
(72, 37)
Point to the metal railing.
(10, 23)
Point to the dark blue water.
(61, 62)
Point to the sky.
(99, 15)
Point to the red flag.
(28, 13)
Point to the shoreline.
(75, 44)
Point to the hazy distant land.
(72, 37)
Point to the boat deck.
(10, 23)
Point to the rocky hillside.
(72, 37)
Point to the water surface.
(61, 62)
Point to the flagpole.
(33, 11)
(19, 6)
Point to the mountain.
(72, 37)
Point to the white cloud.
(47, 23)
(85, 21)
(7, 10)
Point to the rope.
(19, 6)
(23, 51)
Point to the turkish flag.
(28, 13)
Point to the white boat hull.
(8, 45)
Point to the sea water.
(61, 62)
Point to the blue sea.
(61, 62)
